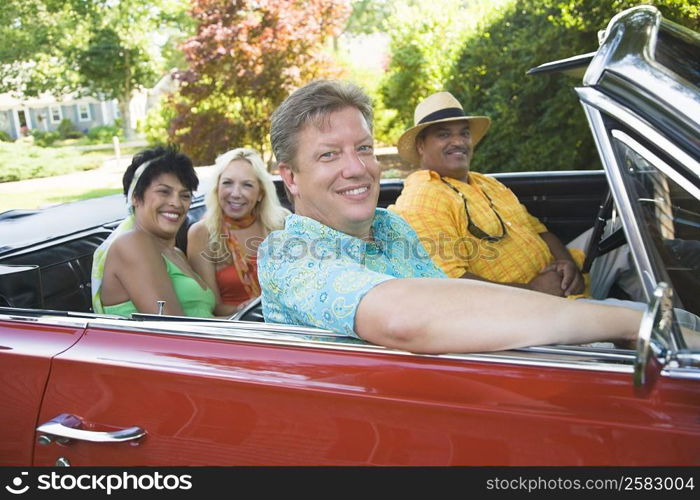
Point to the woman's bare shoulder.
(198, 230)
(135, 246)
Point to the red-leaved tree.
(246, 57)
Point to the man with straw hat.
(472, 225)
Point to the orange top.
(230, 286)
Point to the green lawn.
(22, 160)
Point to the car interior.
(55, 275)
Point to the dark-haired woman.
(139, 268)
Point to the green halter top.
(194, 300)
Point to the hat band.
(441, 114)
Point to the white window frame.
(86, 108)
(52, 109)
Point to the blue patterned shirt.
(313, 275)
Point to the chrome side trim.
(225, 330)
(570, 357)
(681, 373)
(621, 197)
(555, 356)
(46, 320)
(687, 359)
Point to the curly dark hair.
(164, 159)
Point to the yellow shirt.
(437, 214)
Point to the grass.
(22, 160)
(65, 197)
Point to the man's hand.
(548, 281)
(571, 278)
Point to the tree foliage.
(538, 123)
(368, 16)
(33, 46)
(244, 59)
(425, 39)
(99, 47)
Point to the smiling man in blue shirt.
(316, 275)
(343, 264)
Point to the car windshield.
(667, 211)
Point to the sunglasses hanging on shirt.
(473, 228)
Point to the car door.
(256, 394)
(27, 347)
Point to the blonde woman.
(242, 208)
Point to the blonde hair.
(312, 103)
(269, 210)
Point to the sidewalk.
(129, 144)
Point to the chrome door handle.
(64, 426)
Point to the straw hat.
(438, 108)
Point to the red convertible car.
(78, 388)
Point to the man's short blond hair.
(312, 103)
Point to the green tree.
(245, 58)
(537, 122)
(425, 40)
(32, 46)
(99, 47)
(368, 16)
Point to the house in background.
(46, 112)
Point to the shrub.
(537, 122)
(5, 137)
(103, 133)
(21, 160)
(45, 139)
(67, 130)
(155, 125)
